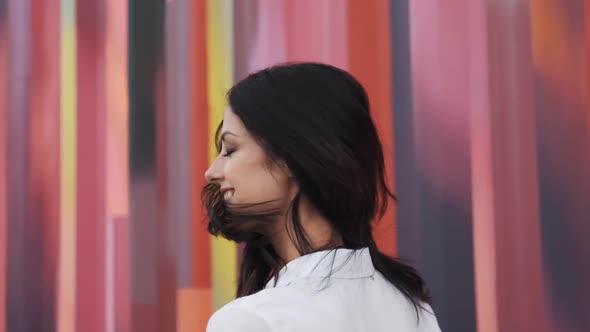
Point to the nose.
(214, 173)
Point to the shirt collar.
(335, 263)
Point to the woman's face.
(243, 172)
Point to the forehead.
(231, 122)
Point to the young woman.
(299, 177)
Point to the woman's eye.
(228, 153)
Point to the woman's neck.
(320, 233)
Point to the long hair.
(314, 118)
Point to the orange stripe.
(201, 250)
(192, 309)
(370, 62)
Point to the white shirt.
(354, 298)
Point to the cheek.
(253, 181)
(240, 169)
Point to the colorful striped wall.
(107, 110)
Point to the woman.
(299, 178)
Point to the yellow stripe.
(68, 120)
(220, 79)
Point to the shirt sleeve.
(236, 319)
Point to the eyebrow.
(227, 133)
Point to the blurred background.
(107, 109)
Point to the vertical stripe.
(563, 151)
(91, 160)
(260, 35)
(146, 29)
(439, 50)
(166, 261)
(200, 144)
(200, 140)
(587, 49)
(117, 109)
(44, 155)
(370, 61)
(91, 174)
(504, 180)
(188, 316)
(515, 189)
(178, 126)
(117, 302)
(484, 235)
(68, 153)
(110, 276)
(166, 226)
(323, 37)
(220, 78)
(406, 175)
(248, 17)
(334, 36)
(23, 256)
(121, 268)
(3, 161)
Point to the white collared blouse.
(327, 291)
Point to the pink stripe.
(323, 36)
(117, 108)
(90, 215)
(44, 135)
(484, 244)
(269, 45)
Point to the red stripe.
(370, 62)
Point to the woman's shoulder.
(249, 313)
(232, 317)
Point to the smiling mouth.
(228, 194)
